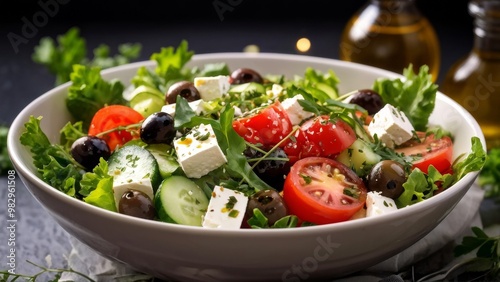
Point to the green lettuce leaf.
(102, 195)
(89, 92)
(53, 162)
(415, 95)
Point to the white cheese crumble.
(226, 209)
(376, 204)
(391, 126)
(212, 87)
(198, 152)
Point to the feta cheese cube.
(376, 204)
(294, 110)
(197, 106)
(391, 126)
(275, 90)
(212, 87)
(226, 209)
(198, 152)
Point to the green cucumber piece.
(134, 163)
(359, 157)
(147, 103)
(248, 87)
(179, 200)
(167, 164)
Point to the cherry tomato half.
(321, 190)
(268, 126)
(332, 136)
(436, 152)
(111, 117)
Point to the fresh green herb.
(420, 186)
(5, 163)
(259, 221)
(71, 49)
(89, 92)
(70, 133)
(415, 95)
(54, 164)
(7, 276)
(231, 202)
(487, 251)
(307, 179)
(489, 178)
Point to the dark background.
(272, 25)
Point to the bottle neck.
(486, 27)
(395, 12)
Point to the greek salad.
(219, 148)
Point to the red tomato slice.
(436, 152)
(299, 147)
(268, 126)
(321, 190)
(111, 117)
(332, 136)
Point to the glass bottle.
(391, 34)
(474, 80)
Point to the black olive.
(273, 172)
(270, 203)
(87, 151)
(158, 128)
(369, 100)
(185, 89)
(245, 75)
(136, 203)
(387, 177)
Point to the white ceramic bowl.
(187, 253)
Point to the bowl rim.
(18, 124)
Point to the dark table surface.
(274, 27)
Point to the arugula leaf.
(52, 161)
(415, 95)
(70, 49)
(235, 145)
(5, 163)
(89, 92)
(489, 178)
(259, 221)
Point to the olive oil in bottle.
(474, 80)
(391, 34)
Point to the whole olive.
(270, 203)
(368, 99)
(138, 204)
(87, 151)
(387, 177)
(273, 172)
(158, 128)
(245, 75)
(185, 89)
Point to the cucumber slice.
(179, 200)
(147, 103)
(248, 87)
(359, 157)
(166, 162)
(133, 163)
